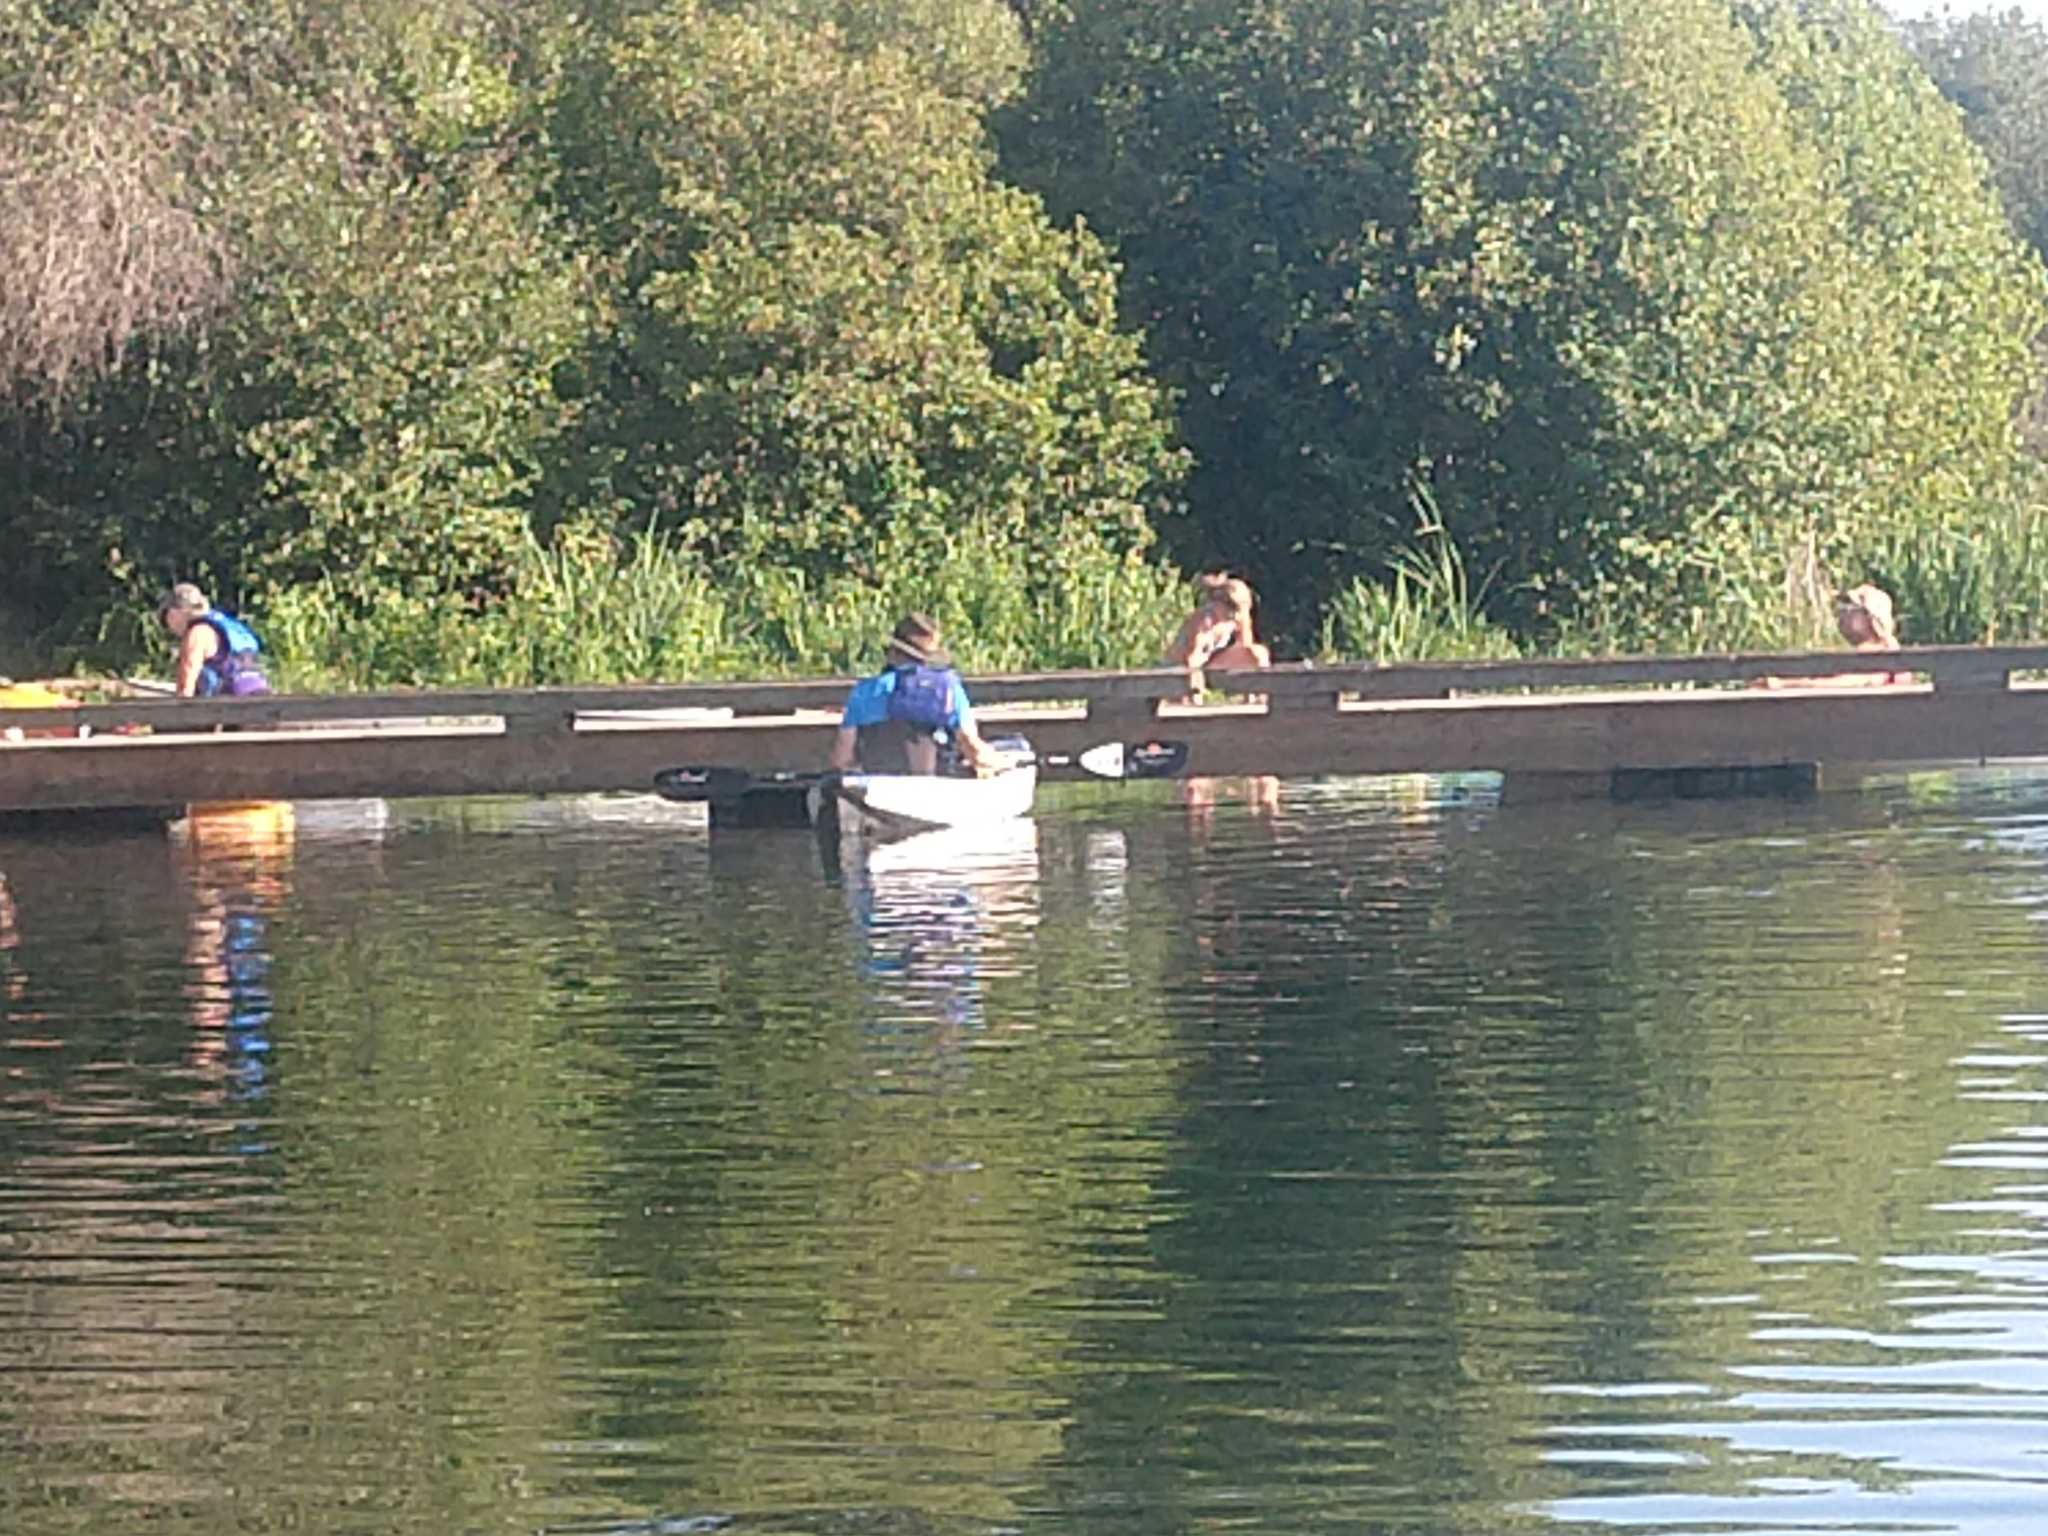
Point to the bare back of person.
(1219, 634)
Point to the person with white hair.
(218, 655)
(1863, 615)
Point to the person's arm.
(1214, 635)
(1182, 650)
(974, 751)
(194, 652)
(867, 704)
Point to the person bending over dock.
(896, 720)
(217, 653)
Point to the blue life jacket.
(234, 668)
(923, 697)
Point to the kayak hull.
(899, 804)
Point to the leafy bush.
(493, 291)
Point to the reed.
(1427, 610)
(1979, 579)
(1006, 601)
(574, 613)
(649, 608)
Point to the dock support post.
(1629, 786)
(1540, 788)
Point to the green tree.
(369, 388)
(841, 342)
(1651, 296)
(968, 48)
(1994, 67)
(469, 291)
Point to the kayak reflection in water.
(897, 720)
(936, 914)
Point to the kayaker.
(1219, 632)
(217, 653)
(895, 721)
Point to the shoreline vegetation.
(543, 342)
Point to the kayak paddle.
(1108, 760)
(1131, 760)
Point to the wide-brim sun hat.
(917, 639)
(1876, 604)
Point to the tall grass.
(651, 610)
(1979, 580)
(573, 615)
(1427, 609)
(1006, 601)
(1978, 577)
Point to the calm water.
(1384, 1161)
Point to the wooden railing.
(1523, 718)
(1948, 668)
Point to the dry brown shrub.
(98, 244)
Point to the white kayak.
(895, 804)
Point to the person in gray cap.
(217, 653)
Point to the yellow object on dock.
(34, 696)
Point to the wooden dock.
(1560, 722)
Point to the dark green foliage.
(1994, 66)
(1651, 295)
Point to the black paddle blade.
(702, 783)
(1155, 759)
(1134, 759)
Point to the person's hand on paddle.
(982, 759)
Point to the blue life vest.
(923, 697)
(233, 669)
